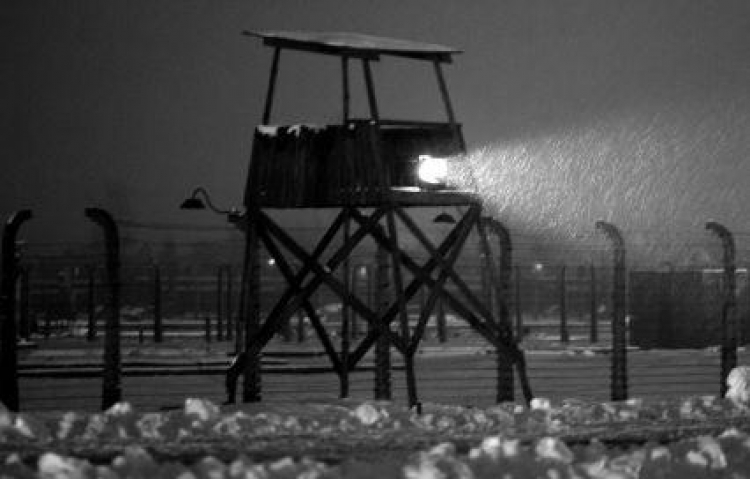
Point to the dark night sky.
(128, 104)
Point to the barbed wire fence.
(561, 297)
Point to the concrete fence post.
(619, 384)
(501, 282)
(111, 376)
(8, 332)
(728, 313)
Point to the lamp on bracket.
(445, 218)
(194, 202)
(432, 172)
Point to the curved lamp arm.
(195, 203)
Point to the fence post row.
(8, 345)
(112, 387)
(619, 384)
(728, 316)
(111, 376)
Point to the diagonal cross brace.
(446, 266)
(505, 333)
(496, 338)
(288, 274)
(334, 283)
(293, 298)
(421, 276)
(296, 282)
(409, 291)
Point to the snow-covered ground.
(689, 437)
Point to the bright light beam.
(432, 170)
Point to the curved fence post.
(619, 384)
(111, 376)
(514, 356)
(728, 316)
(8, 333)
(500, 283)
(505, 269)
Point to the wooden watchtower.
(364, 169)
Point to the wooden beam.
(411, 382)
(371, 98)
(345, 87)
(346, 312)
(396, 272)
(370, 54)
(448, 106)
(444, 93)
(316, 48)
(415, 123)
(271, 86)
(250, 306)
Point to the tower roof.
(354, 44)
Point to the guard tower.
(365, 170)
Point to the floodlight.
(432, 170)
